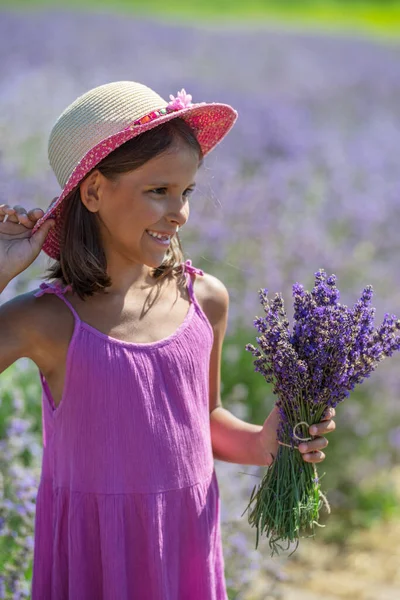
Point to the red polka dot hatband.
(106, 117)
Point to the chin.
(153, 264)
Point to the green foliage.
(237, 368)
(20, 433)
(372, 503)
(372, 17)
(6, 401)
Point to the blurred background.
(308, 178)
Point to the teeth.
(158, 235)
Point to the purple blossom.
(330, 350)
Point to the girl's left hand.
(311, 451)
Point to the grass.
(375, 18)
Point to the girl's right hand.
(18, 248)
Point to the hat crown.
(93, 117)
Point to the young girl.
(128, 341)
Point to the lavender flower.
(330, 350)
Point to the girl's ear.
(90, 190)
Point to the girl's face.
(154, 197)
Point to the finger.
(314, 445)
(5, 208)
(323, 427)
(35, 214)
(328, 414)
(39, 237)
(22, 216)
(8, 214)
(314, 457)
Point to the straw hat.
(105, 117)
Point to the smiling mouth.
(164, 241)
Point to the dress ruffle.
(185, 564)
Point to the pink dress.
(128, 504)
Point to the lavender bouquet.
(330, 349)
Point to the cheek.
(134, 220)
(129, 217)
(130, 213)
(147, 213)
(121, 222)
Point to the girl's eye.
(162, 191)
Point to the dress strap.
(57, 289)
(189, 269)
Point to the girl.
(128, 341)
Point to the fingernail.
(313, 430)
(303, 447)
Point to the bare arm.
(16, 330)
(234, 440)
(19, 328)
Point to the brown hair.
(82, 262)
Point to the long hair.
(82, 261)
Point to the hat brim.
(210, 122)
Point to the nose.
(179, 211)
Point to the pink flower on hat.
(182, 100)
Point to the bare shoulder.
(25, 312)
(213, 297)
(39, 325)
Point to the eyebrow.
(165, 184)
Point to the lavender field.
(308, 178)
